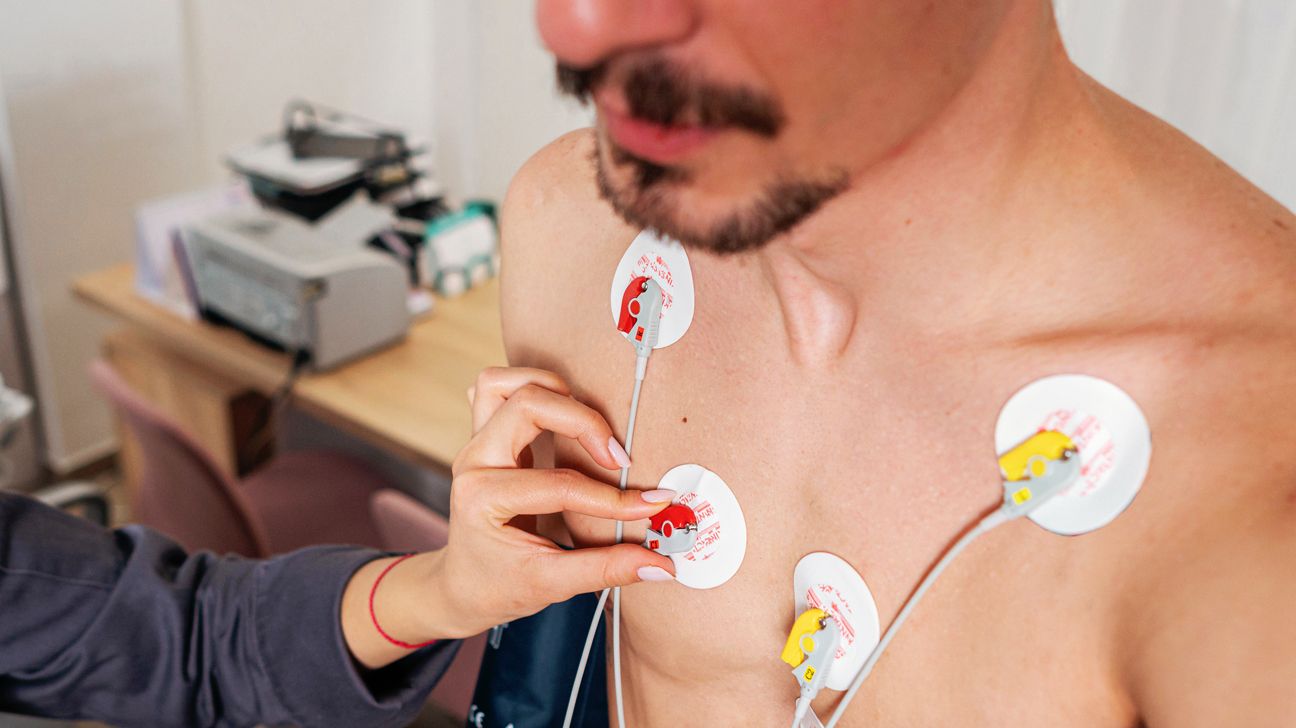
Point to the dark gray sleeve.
(125, 627)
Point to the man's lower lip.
(655, 142)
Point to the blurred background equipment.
(14, 408)
(352, 231)
(295, 287)
(462, 249)
(336, 168)
(324, 156)
(81, 498)
(158, 273)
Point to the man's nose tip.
(582, 33)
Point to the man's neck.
(953, 227)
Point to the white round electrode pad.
(1110, 432)
(722, 530)
(664, 260)
(829, 583)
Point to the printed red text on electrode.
(839, 607)
(1096, 445)
(708, 533)
(658, 268)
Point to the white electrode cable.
(1021, 497)
(985, 524)
(580, 668)
(802, 707)
(641, 369)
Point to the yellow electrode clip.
(810, 622)
(1031, 459)
(810, 650)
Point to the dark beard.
(646, 203)
(665, 93)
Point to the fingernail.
(472, 394)
(654, 573)
(658, 496)
(618, 452)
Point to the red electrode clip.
(673, 530)
(629, 306)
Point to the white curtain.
(1222, 71)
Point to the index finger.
(506, 493)
(496, 384)
(581, 571)
(527, 413)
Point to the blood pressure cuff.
(527, 671)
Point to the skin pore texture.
(1006, 218)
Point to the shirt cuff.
(304, 653)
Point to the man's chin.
(646, 195)
(659, 206)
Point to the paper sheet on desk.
(157, 226)
(420, 303)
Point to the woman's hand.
(492, 571)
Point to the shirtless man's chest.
(882, 459)
(883, 453)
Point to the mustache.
(660, 92)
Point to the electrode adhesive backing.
(1108, 428)
(665, 261)
(722, 529)
(829, 583)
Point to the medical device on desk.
(323, 156)
(283, 282)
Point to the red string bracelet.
(374, 616)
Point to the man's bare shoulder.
(1216, 589)
(1208, 554)
(558, 177)
(556, 237)
(1199, 329)
(1197, 213)
(1209, 627)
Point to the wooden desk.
(409, 398)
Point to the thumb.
(595, 569)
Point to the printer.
(292, 286)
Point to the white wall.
(1222, 71)
(496, 98)
(97, 116)
(248, 57)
